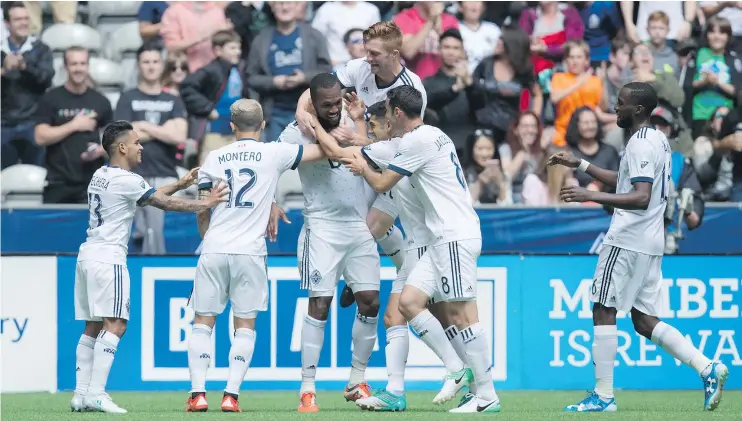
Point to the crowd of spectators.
(509, 82)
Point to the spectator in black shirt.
(69, 119)
(585, 139)
(27, 72)
(150, 17)
(160, 120)
(731, 139)
(248, 18)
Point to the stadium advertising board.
(536, 309)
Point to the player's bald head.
(247, 115)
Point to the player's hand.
(355, 106)
(564, 158)
(575, 194)
(343, 134)
(276, 213)
(189, 179)
(304, 119)
(356, 164)
(218, 194)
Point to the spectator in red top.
(422, 26)
(550, 25)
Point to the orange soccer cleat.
(359, 391)
(308, 402)
(197, 403)
(229, 404)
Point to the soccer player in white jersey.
(101, 278)
(449, 267)
(232, 265)
(371, 77)
(412, 217)
(629, 276)
(334, 242)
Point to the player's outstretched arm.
(182, 184)
(330, 145)
(637, 199)
(381, 182)
(607, 177)
(162, 201)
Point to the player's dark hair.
(407, 99)
(377, 110)
(643, 94)
(148, 46)
(113, 133)
(322, 81)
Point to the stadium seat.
(288, 191)
(108, 16)
(22, 184)
(61, 36)
(122, 47)
(108, 77)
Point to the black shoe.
(346, 297)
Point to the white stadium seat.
(125, 40)
(61, 36)
(22, 184)
(108, 16)
(105, 72)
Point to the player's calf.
(364, 338)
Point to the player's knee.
(319, 307)
(409, 306)
(392, 317)
(92, 329)
(368, 303)
(377, 227)
(115, 326)
(603, 315)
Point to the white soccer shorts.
(448, 270)
(412, 256)
(626, 279)
(240, 278)
(101, 291)
(385, 204)
(325, 254)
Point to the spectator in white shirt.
(335, 19)
(480, 37)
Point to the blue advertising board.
(535, 309)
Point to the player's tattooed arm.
(565, 158)
(162, 201)
(203, 217)
(182, 184)
(381, 182)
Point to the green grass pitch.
(270, 406)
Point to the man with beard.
(69, 119)
(334, 241)
(629, 273)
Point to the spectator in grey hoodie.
(665, 58)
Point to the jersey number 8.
(238, 201)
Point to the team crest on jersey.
(397, 154)
(644, 163)
(315, 277)
(142, 184)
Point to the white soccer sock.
(605, 346)
(364, 338)
(429, 329)
(84, 363)
(199, 356)
(677, 345)
(478, 359)
(392, 243)
(312, 337)
(240, 355)
(397, 348)
(457, 342)
(103, 353)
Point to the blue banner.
(525, 230)
(535, 310)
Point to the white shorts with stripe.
(448, 270)
(241, 279)
(325, 254)
(385, 204)
(412, 256)
(101, 291)
(626, 279)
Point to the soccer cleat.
(713, 385)
(470, 404)
(229, 404)
(308, 402)
(197, 403)
(359, 391)
(382, 400)
(77, 403)
(593, 403)
(346, 297)
(452, 384)
(102, 403)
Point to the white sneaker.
(77, 403)
(103, 403)
(472, 404)
(452, 384)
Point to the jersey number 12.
(238, 199)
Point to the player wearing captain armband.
(101, 276)
(629, 273)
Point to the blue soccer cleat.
(713, 385)
(593, 403)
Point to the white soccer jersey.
(646, 158)
(428, 157)
(252, 170)
(411, 211)
(113, 196)
(357, 74)
(331, 191)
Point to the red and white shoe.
(197, 403)
(359, 391)
(308, 402)
(229, 404)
